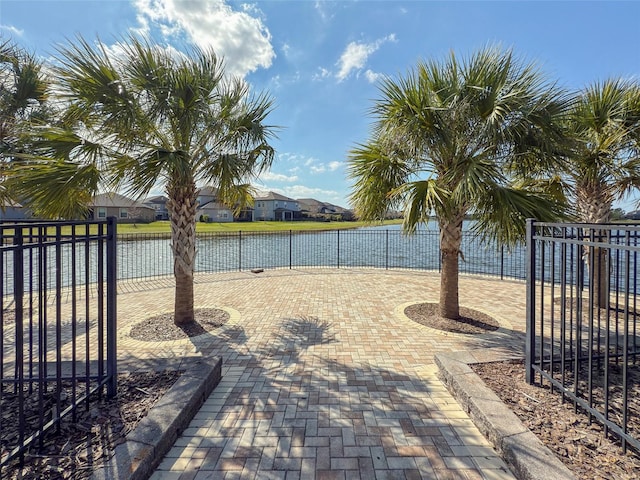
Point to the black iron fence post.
(531, 301)
(112, 289)
(18, 296)
(290, 248)
(386, 250)
(239, 250)
(338, 232)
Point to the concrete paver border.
(525, 454)
(145, 446)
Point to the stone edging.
(146, 445)
(525, 454)
(503, 325)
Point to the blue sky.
(321, 60)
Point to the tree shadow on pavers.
(295, 335)
(302, 405)
(510, 342)
(226, 339)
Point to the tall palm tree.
(23, 102)
(452, 138)
(141, 116)
(605, 164)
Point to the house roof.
(156, 199)
(207, 191)
(112, 199)
(274, 196)
(313, 205)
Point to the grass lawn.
(163, 227)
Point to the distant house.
(125, 209)
(209, 209)
(273, 206)
(313, 208)
(635, 215)
(159, 205)
(14, 211)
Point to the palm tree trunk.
(595, 207)
(450, 239)
(182, 217)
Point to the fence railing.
(55, 353)
(142, 256)
(582, 320)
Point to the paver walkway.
(323, 377)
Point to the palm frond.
(377, 172)
(502, 214)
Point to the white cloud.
(372, 76)
(277, 177)
(333, 166)
(310, 164)
(356, 54)
(320, 74)
(322, 7)
(239, 36)
(12, 30)
(301, 191)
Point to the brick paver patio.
(323, 377)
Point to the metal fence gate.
(582, 320)
(57, 325)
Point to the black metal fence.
(582, 320)
(143, 256)
(55, 353)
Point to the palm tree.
(23, 102)
(605, 164)
(451, 138)
(142, 116)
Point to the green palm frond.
(45, 179)
(422, 199)
(146, 115)
(605, 122)
(501, 215)
(464, 127)
(377, 173)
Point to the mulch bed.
(470, 322)
(161, 327)
(78, 448)
(581, 446)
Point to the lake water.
(374, 247)
(141, 256)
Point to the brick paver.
(324, 378)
